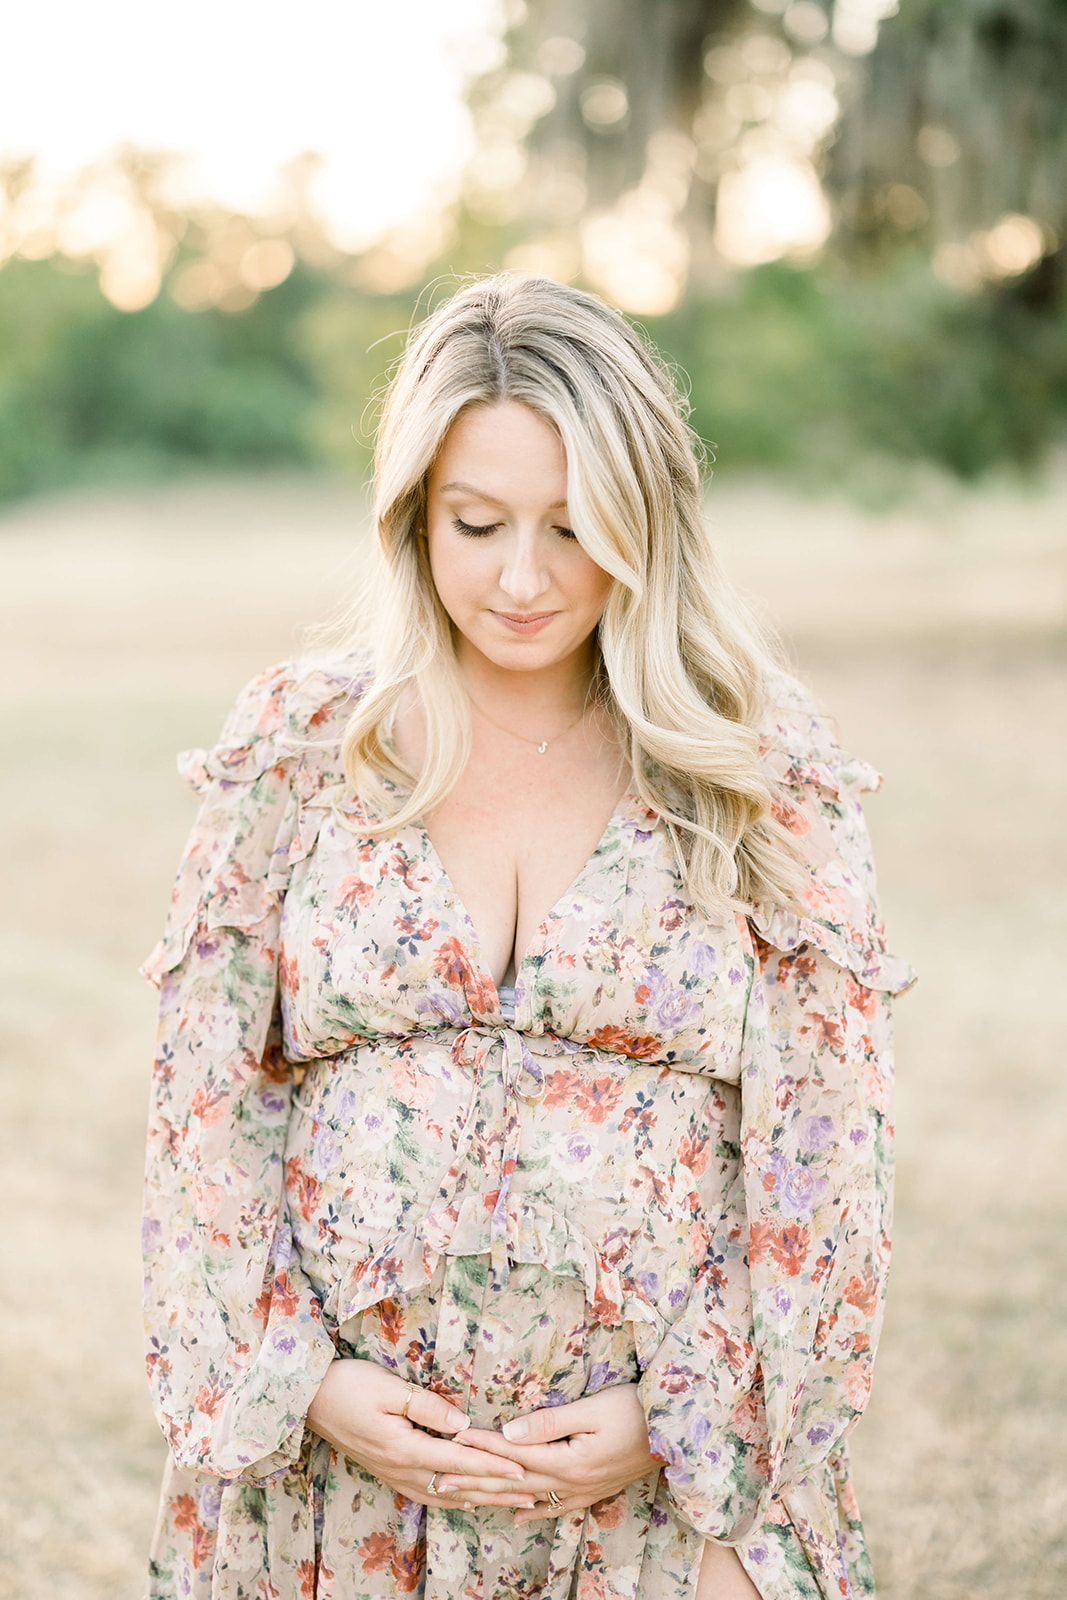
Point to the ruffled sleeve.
(769, 1364)
(235, 1342)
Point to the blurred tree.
(960, 122)
(706, 125)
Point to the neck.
(548, 692)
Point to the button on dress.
(665, 1161)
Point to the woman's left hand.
(583, 1452)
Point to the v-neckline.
(474, 946)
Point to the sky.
(242, 86)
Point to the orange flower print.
(693, 1152)
(354, 894)
(208, 1108)
(748, 1420)
(308, 1572)
(761, 1236)
(861, 1291)
(598, 1098)
(284, 1302)
(390, 1321)
(828, 1030)
(858, 1383)
(791, 1248)
(860, 998)
(643, 1047)
(789, 816)
(610, 1513)
(203, 1548)
(376, 1551)
(211, 1397)
(183, 1511)
(304, 1190)
(289, 975)
(561, 1089)
(452, 963)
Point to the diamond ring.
(554, 1500)
(431, 1487)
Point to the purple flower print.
(818, 1133)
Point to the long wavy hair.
(683, 669)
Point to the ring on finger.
(407, 1402)
(554, 1500)
(431, 1487)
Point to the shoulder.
(281, 715)
(297, 698)
(799, 743)
(817, 791)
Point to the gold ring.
(407, 1402)
(554, 1500)
(431, 1487)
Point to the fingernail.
(467, 1506)
(515, 1430)
(464, 1425)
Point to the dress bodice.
(594, 1129)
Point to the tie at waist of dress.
(521, 1080)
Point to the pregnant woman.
(518, 1175)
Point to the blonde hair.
(682, 669)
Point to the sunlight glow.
(244, 87)
(768, 208)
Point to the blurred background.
(845, 223)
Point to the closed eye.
(471, 531)
(566, 533)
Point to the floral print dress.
(669, 1167)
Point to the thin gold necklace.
(540, 744)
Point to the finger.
(467, 1502)
(428, 1410)
(549, 1423)
(471, 1485)
(459, 1461)
(548, 1460)
(538, 1512)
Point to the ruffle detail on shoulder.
(287, 725)
(818, 801)
(536, 1232)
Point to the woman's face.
(515, 581)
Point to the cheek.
(454, 567)
(591, 585)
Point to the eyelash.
(472, 532)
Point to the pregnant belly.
(608, 1177)
(498, 1353)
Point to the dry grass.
(127, 626)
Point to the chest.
(512, 836)
(376, 943)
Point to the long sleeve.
(770, 1362)
(235, 1343)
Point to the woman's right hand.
(359, 1410)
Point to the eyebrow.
(491, 500)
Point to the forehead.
(501, 450)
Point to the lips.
(525, 621)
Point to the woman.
(518, 1167)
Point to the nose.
(524, 576)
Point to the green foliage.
(818, 374)
(821, 376)
(88, 392)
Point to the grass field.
(935, 634)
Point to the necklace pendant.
(542, 747)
